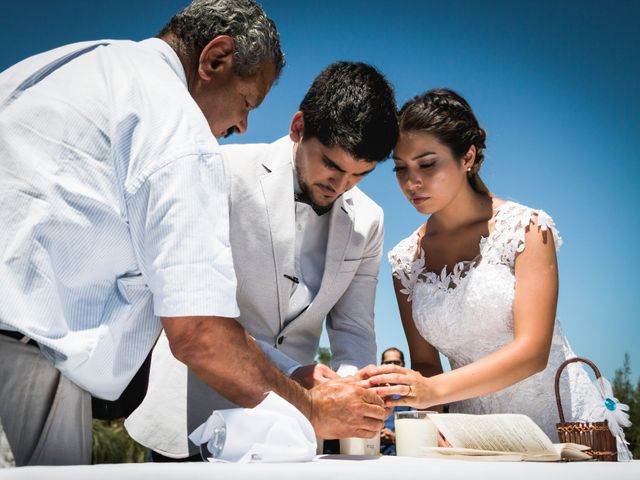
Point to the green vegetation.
(324, 356)
(625, 392)
(112, 444)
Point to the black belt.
(21, 337)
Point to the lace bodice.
(466, 314)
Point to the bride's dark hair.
(446, 115)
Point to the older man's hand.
(341, 408)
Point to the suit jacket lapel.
(340, 233)
(277, 187)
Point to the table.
(337, 467)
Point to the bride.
(478, 282)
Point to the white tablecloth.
(337, 467)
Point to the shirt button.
(280, 340)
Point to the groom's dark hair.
(352, 106)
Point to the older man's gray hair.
(255, 35)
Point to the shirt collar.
(296, 184)
(168, 54)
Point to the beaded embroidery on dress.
(467, 314)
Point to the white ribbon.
(616, 415)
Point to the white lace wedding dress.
(467, 314)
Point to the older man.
(110, 173)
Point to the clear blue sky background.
(554, 83)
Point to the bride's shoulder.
(509, 209)
(513, 218)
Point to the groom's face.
(325, 173)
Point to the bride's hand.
(400, 386)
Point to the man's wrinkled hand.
(310, 376)
(343, 409)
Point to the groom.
(306, 246)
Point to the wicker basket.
(595, 435)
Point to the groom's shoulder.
(244, 158)
(362, 204)
(239, 152)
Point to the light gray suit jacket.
(262, 234)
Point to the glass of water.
(214, 447)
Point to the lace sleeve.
(511, 227)
(404, 266)
(544, 222)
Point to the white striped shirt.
(113, 207)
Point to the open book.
(509, 437)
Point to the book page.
(499, 432)
(468, 454)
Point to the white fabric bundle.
(273, 431)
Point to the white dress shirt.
(311, 231)
(113, 207)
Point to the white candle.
(360, 446)
(412, 434)
(319, 446)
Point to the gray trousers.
(45, 416)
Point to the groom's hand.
(362, 376)
(343, 409)
(310, 376)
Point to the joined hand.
(342, 408)
(398, 385)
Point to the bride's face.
(428, 173)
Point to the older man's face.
(227, 103)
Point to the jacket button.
(280, 340)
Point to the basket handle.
(557, 382)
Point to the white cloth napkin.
(273, 431)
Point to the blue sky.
(554, 83)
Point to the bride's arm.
(534, 310)
(424, 356)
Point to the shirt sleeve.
(179, 222)
(283, 362)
